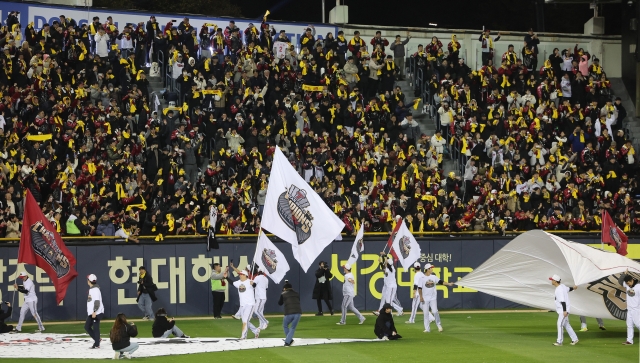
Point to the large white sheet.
(520, 272)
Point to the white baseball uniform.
(417, 277)
(633, 309)
(390, 288)
(348, 293)
(562, 296)
(262, 284)
(430, 296)
(247, 304)
(30, 304)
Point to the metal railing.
(162, 64)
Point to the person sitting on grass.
(120, 335)
(385, 329)
(163, 326)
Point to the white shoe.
(341, 323)
(376, 313)
(409, 322)
(145, 318)
(385, 338)
(431, 320)
(574, 342)
(39, 331)
(440, 328)
(264, 327)
(257, 334)
(362, 321)
(117, 355)
(557, 344)
(400, 313)
(426, 331)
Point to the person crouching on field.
(385, 329)
(120, 335)
(163, 326)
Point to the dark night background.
(516, 15)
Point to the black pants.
(485, 57)
(6, 328)
(327, 301)
(92, 327)
(218, 303)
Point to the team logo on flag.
(44, 245)
(269, 260)
(615, 236)
(405, 246)
(360, 244)
(614, 296)
(292, 206)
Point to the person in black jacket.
(163, 326)
(120, 335)
(385, 329)
(146, 294)
(292, 311)
(4, 328)
(322, 288)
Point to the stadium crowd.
(543, 147)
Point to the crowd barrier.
(181, 272)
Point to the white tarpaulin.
(48, 345)
(520, 272)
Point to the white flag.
(211, 236)
(270, 260)
(405, 246)
(297, 214)
(358, 246)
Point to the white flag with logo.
(405, 246)
(270, 260)
(358, 246)
(297, 214)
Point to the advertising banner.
(41, 14)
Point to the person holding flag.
(613, 235)
(270, 262)
(28, 288)
(246, 294)
(41, 245)
(390, 284)
(348, 293)
(429, 297)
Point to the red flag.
(613, 235)
(42, 246)
(391, 238)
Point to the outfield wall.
(181, 271)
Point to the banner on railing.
(181, 272)
(41, 14)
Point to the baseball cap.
(428, 266)
(92, 278)
(416, 265)
(243, 272)
(23, 274)
(555, 278)
(347, 266)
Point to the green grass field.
(467, 337)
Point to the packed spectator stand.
(537, 143)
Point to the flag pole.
(602, 221)
(253, 263)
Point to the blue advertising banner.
(41, 14)
(181, 271)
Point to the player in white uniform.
(429, 297)
(262, 284)
(583, 323)
(415, 304)
(348, 293)
(247, 303)
(633, 305)
(95, 311)
(28, 288)
(390, 285)
(563, 308)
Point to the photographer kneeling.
(163, 327)
(4, 328)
